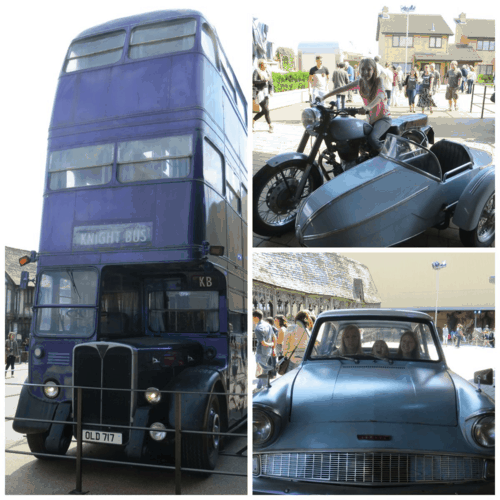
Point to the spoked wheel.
(483, 235)
(274, 210)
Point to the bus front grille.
(100, 368)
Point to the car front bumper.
(272, 486)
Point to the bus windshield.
(58, 291)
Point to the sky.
(405, 279)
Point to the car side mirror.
(484, 377)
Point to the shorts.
(451, 93)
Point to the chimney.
(385, 13)
(462, 18)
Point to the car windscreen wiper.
(372, 356)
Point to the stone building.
(479, 34)
(18, 303)
(284, 283)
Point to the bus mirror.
(25, 277)
(217, 250)
(24, 260)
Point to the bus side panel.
(216, 218)
(58, 218)
(92, 94)
(63, 111)
(185, 77)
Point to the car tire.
(483, 235)
(202, 451)
(274, 200)
(36, 443)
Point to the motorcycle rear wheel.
(274, 212)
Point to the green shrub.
(290, 81)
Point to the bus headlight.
(157, 433)
(483, 431)
(153, 395)
(311, 118)
(38, 352)
(51, 390)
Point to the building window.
(486, 45)
(435, 42)
(485, 69)
(400, 41)
(406, 67)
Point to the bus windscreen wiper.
(70, 274)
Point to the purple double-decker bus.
(142, 265)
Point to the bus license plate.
(102, 437)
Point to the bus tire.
(202, 451)
(36, 443)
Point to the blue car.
(374, 409)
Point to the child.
(372, 91)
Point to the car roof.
(378, 313)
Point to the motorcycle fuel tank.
(344, 128)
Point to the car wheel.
(36, 443)
(483, 235)
(274, 212)
(202, 451)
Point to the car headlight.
(153, 395)
(483, 431)
(311, 118)
(156, 432)
(51, 390)
(263, 427)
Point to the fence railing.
(482, 97)
(177, 431)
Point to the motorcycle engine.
(348, 150)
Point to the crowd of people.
(485, 337)
(418, 87)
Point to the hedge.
(290, 81)
(485, 78)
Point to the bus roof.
(148, 17)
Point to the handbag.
(284, 361)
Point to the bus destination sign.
(112, 235)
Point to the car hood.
(335, 391)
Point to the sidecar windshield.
(412, 155)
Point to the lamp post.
(437, 267)
(407, 10)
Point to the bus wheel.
(202, 451)
(36, 442)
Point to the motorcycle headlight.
(153, 395)
(263, 427)
(483, 431)
(156, 431)
(51, 390)
(311, 118)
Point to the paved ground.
(461, 126)
(25, 475)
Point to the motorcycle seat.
(403, 123)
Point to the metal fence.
(484, 98)
(178, 431)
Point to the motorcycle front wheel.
(274, 210)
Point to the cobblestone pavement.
(461, 126)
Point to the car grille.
(371, 468)
(104, 366)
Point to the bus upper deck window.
(212, 166)
(153, 159)
(207, 44)
(162, 38)
(79, 167)
(95, 51)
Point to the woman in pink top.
(372, 92)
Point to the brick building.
(284, 283)
(479, 34)
(18, 303)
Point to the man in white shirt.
(318, 80)
(445, 335)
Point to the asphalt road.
(26, 475)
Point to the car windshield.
(368, 339)
(402, 150)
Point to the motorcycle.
(283, 184)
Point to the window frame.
(435, 39)
(399, 37)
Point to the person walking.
(454, 77)
(350, 73)
(318, 80)
(471, 79)
(263, 355)
(425, 99)
(394, 96)
(296, 340)
(459, 334)
(410, 86)
(340, 78)
(281, 324)
(464, 72)
(386, 78)
(445, 335)
(437, 79)
(263, 88)
(12, 352)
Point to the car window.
(381, 338)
